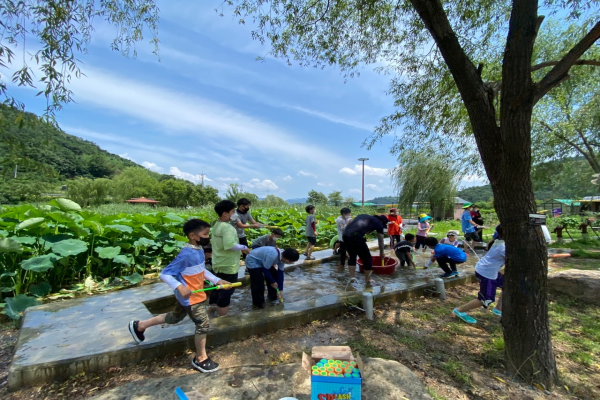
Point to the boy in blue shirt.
(185, 274)
(446, 254)
(469, 227)
(266, 264)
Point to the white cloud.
(373, 187)
(381, 181)
(177, 173)
(473, 180)
(355, 191)
(369, 171)
(126, 156)
(287, 178)
(303, 173)
(194, 116)
(322, 184)
(331, 118)
(152, 166)
(257, 184)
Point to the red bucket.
(387, 269)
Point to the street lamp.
(363, 179)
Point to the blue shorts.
(487, 288)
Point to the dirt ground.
(454, 360)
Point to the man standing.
(356, 244)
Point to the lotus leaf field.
(58, 249)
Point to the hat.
(422, 215)
(452, 233)
(467, 205)
(425, 218)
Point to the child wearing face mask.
(268, 240)
(185, 274)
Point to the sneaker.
(446, 275)
(497, 312)
(205, 366)
(311, 258)
(454, 273)
(138, 335)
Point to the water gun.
(229, 286)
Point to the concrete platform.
(62, 339)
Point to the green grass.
(578, 244)
(585, 254)
(457, 371)
(422, 315)
(434, 395)
(367, 349)
(456, 328)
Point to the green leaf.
(8, 274)
(121, 259)
(9, 245)
(3, 233)
(134, 278)
(95, 227)
(24, 239)
(40, 263)
(172, 217)
(69, 247)
(108, 252)
(145, 243)
(30, 223)
(7, 289)
(145, 219)
(40, 289)
(16, 305)
(66, 204)
(167, 248)
(180, 238)
(119, 228)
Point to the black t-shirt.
(364, 224)
(403, 247)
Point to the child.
(185, 274)
(469, 227)
(239, 220)
(451, 239)
(423, 229)
(268, 240)
(208, 257)
(403, 250)
(488, 274)
(226, 254)
(445, 254)
(266, 264)
(477, 218)
(311, 232)
(341, 222)
(394, 227)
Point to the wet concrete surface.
(62, 339)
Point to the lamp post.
(363, 179)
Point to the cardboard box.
(329, 387)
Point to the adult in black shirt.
(356, 244)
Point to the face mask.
(202, 241)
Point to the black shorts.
(420, 241)
(356, 245)
(312, 240)
(472, 236)
(222, 298)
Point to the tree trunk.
(506, 155)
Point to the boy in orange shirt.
(394, 227)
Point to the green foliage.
(234, 193)
(273, 201)
(335, 198)
(315, 198)
(426, 178)
(477, 194)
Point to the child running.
(488, 274)
(226, 255)
(266, 264)
(185, 274)
(311, 232)
(394, 227)
(403, 250)
(341, 222)
(445, 255)
(268, 240)
(423, 229)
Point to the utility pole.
(202, 177)
(363, 179)
(15, 171)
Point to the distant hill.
(297, 200)
(474, 194)
(31, 143)
(384, 200)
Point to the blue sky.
(206, 105)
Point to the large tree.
(438, 51)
